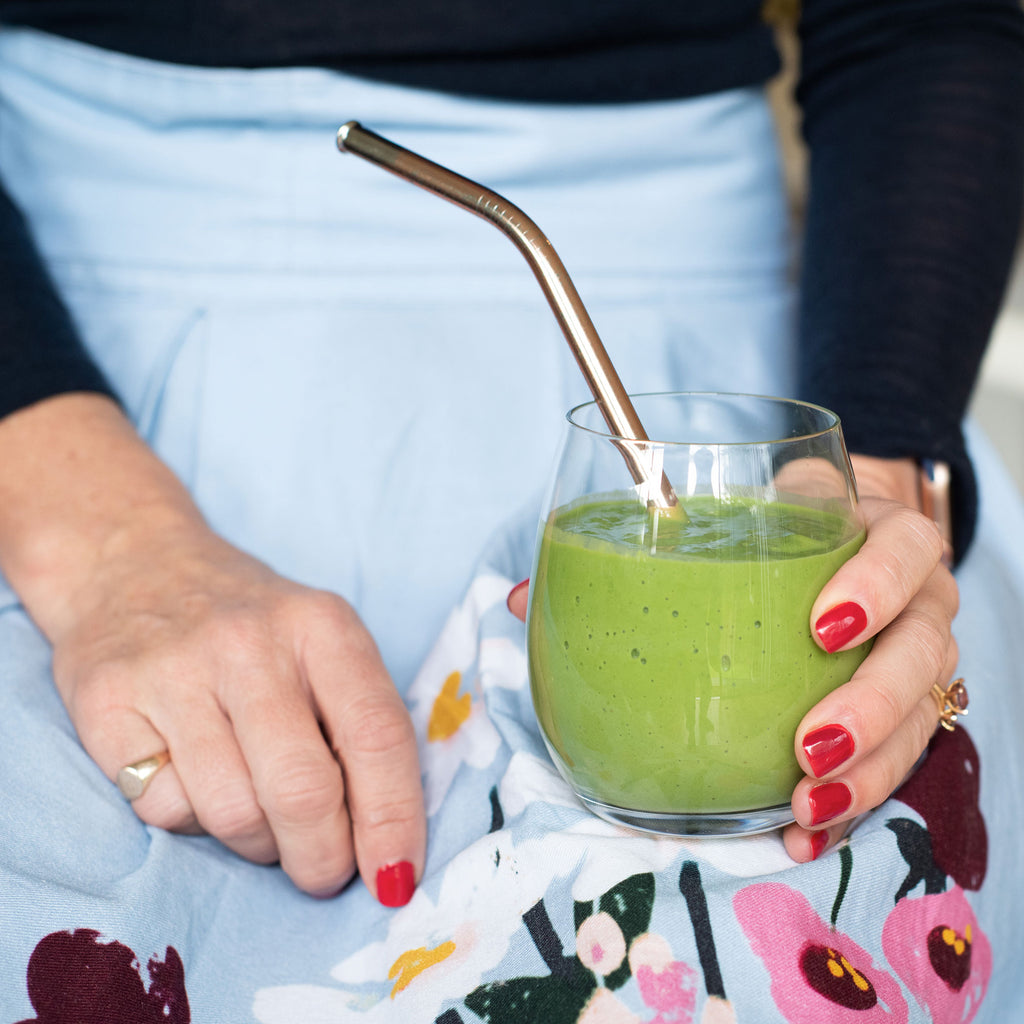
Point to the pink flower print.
(817, 973)
(935, 945)
(600, 944)
(666, 985)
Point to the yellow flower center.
(449, 710)
(413, 962)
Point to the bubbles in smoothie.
(726, 663)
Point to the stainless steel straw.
(578, 328)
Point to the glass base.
(710, 823)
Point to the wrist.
(77, 486)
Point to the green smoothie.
(671, 659)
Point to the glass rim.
(834, 425)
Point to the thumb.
(517, 600)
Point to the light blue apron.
(320, 349)
(363, 386)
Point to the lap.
(527, 900)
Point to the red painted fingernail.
(395, 884)
(839, 625)
(515, 590)
(818, 843)
(828, 800)
(827, 748)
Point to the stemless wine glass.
(670, 650)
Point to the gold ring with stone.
(133, 778)
(951, 702)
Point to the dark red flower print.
(76, 978)
(944, 791)
(831, 975)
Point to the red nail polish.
(515, 590)
(396, 884)
(818, 843)
(828, 801)
(827, 748)
(839, 625)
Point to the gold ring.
(133, 778)
(951, 701)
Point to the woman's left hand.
(860, 742)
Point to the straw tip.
(674, 511)
(343, 133)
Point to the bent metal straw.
(578, 328)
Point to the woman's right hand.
(287, 738)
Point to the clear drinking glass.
(670, 650)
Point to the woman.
(193, 218)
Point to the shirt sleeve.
(40, 352)
(913, 111)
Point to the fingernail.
(515, 590)
(839, 625)
(818, 843)
(827, 748)
(396, 884)
(828, 800)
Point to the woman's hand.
(286, 736)
(859, 743)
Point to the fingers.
(913, 653)
(297, 784)
(216, 778)
(827, 807)
(334, 761)
(288, 743)
(901, 552)
(101, 700)
(859, 742)
(804, 845)
(372, 735)
(164, 802)
(518, 598)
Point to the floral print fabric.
(532, 910)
